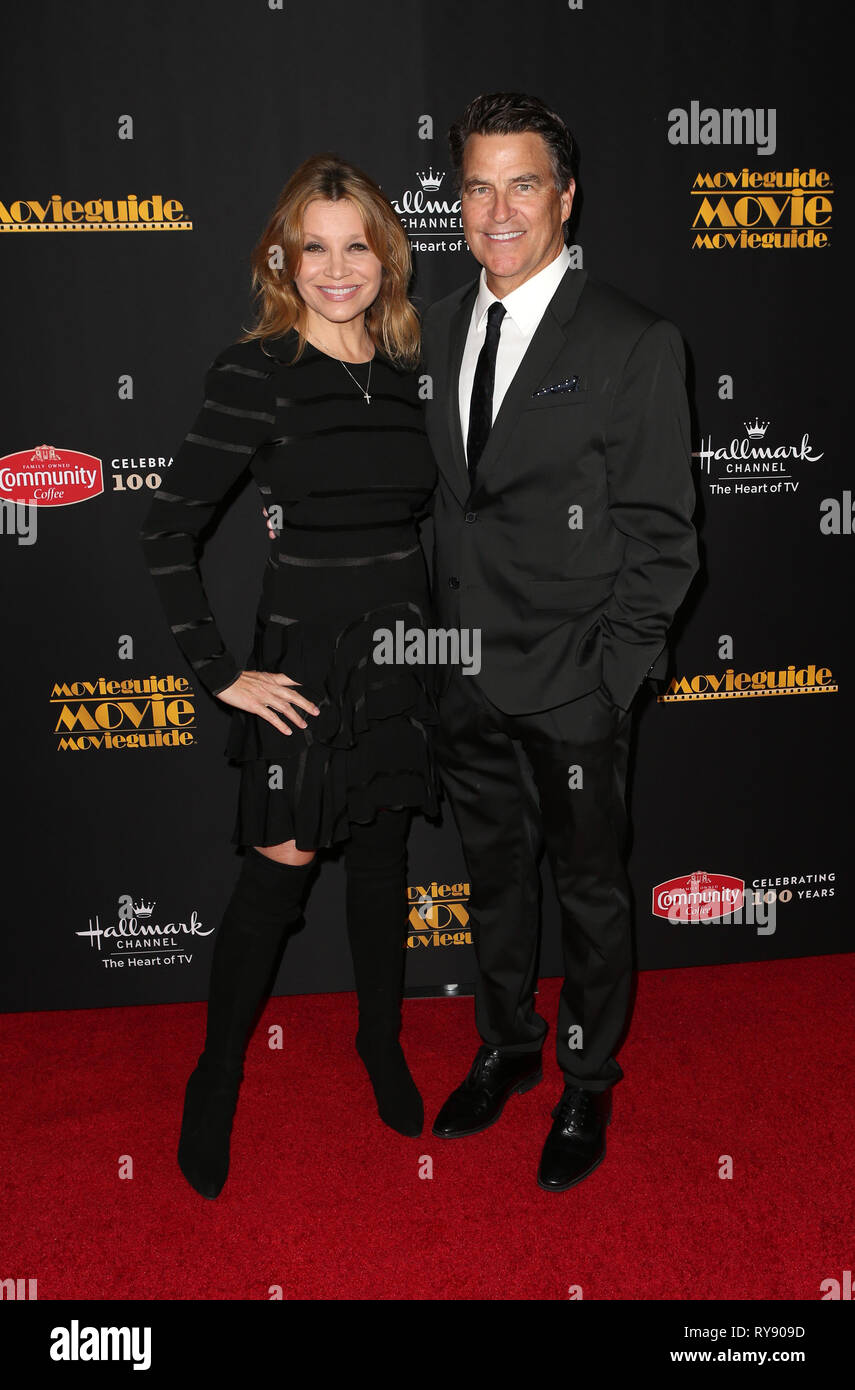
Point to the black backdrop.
(110, 327)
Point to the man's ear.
(567, 200)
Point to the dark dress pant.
(519, 784)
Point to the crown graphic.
(430, 181)
(144, 909)
(757, 430)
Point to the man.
(563, 531)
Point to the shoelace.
(479, 1068)
(576, 1108)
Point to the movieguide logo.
(128, 214)
(438, 915)
(751, 210)
(148, 712)
(741, 685)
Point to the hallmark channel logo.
(102, 714)
(754, 465)
(49, 477)
(430, 181)
(698, 897)
(129, 214)
(742, 685)
(438, 915)
(433, 223)
(762, 210)
(138, 938)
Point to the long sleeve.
(651, 501)
(235, 418)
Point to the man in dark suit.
(563, 532)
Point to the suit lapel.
(456, 471)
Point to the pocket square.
(570, 383)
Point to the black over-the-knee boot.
(265, 906)
(376, 864)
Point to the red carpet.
(754, 1061)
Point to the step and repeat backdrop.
(145, 147)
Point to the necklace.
(364, 389)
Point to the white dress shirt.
(524, 308)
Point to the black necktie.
(481, 404)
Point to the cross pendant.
(367, 398)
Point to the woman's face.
(338, 276)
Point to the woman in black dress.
(320, 402)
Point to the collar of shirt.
(526, 304)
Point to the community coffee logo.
(761, 210)
(783, 888)
(733, 685)
(102, 714)
(132, 473)
(438, 915)
(140, 937)
(706, 897)
(50, 477)
(128, 214)
(698, 897)
(431, 220)
(753, 466)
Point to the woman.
(320, 402)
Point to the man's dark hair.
(512, 113)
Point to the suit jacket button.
(454, 582)
(471, 516)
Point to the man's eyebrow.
(517, 178)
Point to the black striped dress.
(351, 478)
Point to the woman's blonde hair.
(391, 321)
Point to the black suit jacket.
(565, 608)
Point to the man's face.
(512, 212)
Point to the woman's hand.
(268, 694)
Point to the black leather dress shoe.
(480, 1100)
(576, 1144)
